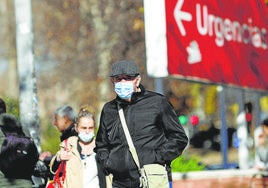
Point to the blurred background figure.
(261, 146)
(64, 120)
(2, 106)
(18, 153)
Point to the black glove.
(40, 169)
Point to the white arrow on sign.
(180, 15)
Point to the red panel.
(224, 41)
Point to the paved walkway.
(221, 179)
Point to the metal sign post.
(224, 139)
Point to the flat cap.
(124, 68)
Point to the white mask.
(124, 89)
(86, 137)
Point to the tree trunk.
(26, 70)
(105, 40)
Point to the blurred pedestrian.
(64, 120)
(261, 146)
(2, 106)
(82, 169)
(152, 122)
(18, 154)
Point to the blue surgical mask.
(124, 90)
(86, 137)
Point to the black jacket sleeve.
(174, 132)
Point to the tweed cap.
(124, 68)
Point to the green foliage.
(50, 139)
(186, 164)
(12, 106)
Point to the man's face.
(135, 79)
(60, 122)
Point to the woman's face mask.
(84, 137)
(124, 89)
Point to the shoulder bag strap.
(131, 146)
(61, 171)
(61, 164)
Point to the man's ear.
(111, 80)
(138, 81)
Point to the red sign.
(211, 40)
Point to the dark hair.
(10, 124)
(18, 157)
(2, 106)
(265, 122)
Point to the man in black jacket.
(152, 122)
